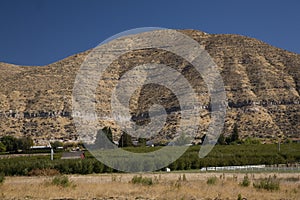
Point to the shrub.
(57, 144)
(245, 182)
(212, 180)
(141, 180)
(2, 177)
(292, 179)
(240, 197)
(267, 184)
(43, 172)
(2, 147)
(62, 181)
(250, 140)
(184, 177)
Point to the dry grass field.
(174, 185)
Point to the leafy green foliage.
(104, 139)
(141, 180)
(24, 143)
(184, 177)
(212, 180)
(235, 134)
(245, 182)
(13, 144)
(221, 155)
(222, 140)
(2, 147)
(251, 141)
(10, 143)
(108, 133)
(62, 181)
(142, 142)
(2, 177)
(240, 197)
(56, 144)
(271, 183)
(125, 140)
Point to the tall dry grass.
(165, 186)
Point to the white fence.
(252, 168)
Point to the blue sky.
(37, 32)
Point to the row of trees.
(126, 139)
(13, 144)
(221, 155)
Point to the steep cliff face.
(262, 84)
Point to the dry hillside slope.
(262, 85)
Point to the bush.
(141, 180)
(2, 147)
(57, 144)
(250, 140)
(240, 197)
(184, 177)
(245, 182)
(2, 177)
(43, 172)
(267, 184)
(62, 181)
(212, 180)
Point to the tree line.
(13, 144)
(221, 155)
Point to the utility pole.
(52, 152)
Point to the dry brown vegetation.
(37, 101)
(165, 186)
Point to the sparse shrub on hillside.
(13, 144)
(271, 184)
(43, 172)
(221, 140)
(212, 180)
(2, 147)
(293, 179)
(57, 144)
(184, 177)
(62, 181)
(240, 197)
(250, 140)
(2, 178)
(141, 180)
(245, 182)
(125, 140)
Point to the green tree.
(56, 144)
(104, 139)
(108, 133)
(2, 147)
(221, 140)
(125, 140)
(235, 134)
(250, 140)
(10, 142)
(24, 143)
(142, 142)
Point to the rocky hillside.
(262, 85)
